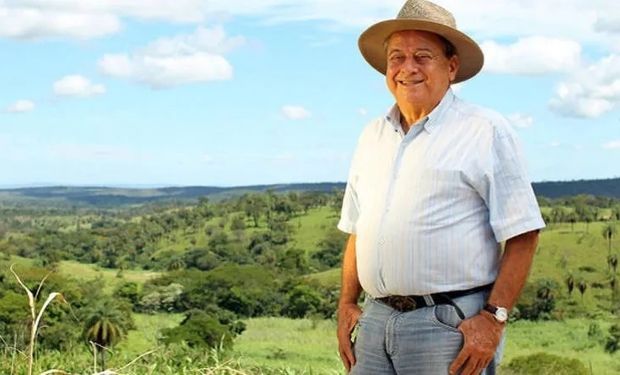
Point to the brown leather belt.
(410, 303)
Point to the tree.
(615, 213)
(293, 260)
(106, 324)
(200, 329)
(613, 341)
(330, 248)
(609, 231)
(537, 300)
(582, 286)
(279, 228)
(612, 262)
(557, 215)
(302, 301)
(254, 206)
(570, 284)
(128, 291)
(237, 223)
(572, 218)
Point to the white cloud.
(362, 111)
(566, 19)
(178, 60)
(612, 145)
(609, 23)
(175, 11)
(294, 112)
(532, 55)
(32, 23)
(555, 144)
(21, 106)
(590, 91)
(569, 19)
(520, 120)
(78, 86)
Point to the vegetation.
(249, 283)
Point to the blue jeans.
(423, 341)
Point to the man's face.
(418, 72)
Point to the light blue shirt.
(430, 208)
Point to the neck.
(410, 115)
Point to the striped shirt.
(430, 208)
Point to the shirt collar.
(431, 121)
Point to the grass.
(87, 272)
(310, 345)
(567, 338)
(298, 344)
(145, 336)
(311, 228)
(327, 278)
(110, 276)
(303, 344)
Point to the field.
(304, 344)
(579, 325)
(309, 346)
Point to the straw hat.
(425, 16)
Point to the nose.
(410, 64)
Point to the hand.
(348, 315)
(481, 334)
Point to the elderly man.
(434, 188)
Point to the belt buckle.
(404, 304)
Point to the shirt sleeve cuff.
(346, 226)
(508, 232)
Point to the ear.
(453, 67)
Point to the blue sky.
(213, 92)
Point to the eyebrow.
(390, 51)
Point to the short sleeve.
(350, 210)
(513, 209)
(350, 204)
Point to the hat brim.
(371, 44)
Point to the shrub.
(544, 363)
(199, 329)
(537, 300)
(302, 301)
(613, 341)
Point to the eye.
(395, 58)
(423, 58)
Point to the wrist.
(347, 302)
(491, 319)
(497, 315)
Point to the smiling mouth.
(409, 82)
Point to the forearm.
(350, 288)
(514, 268)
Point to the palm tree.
(612, 262)
(570, 284)
(609, 231)
(582, 286)
(106, 324)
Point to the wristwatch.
(499, 313)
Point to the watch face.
(501, 314)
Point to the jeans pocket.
(446, 317)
